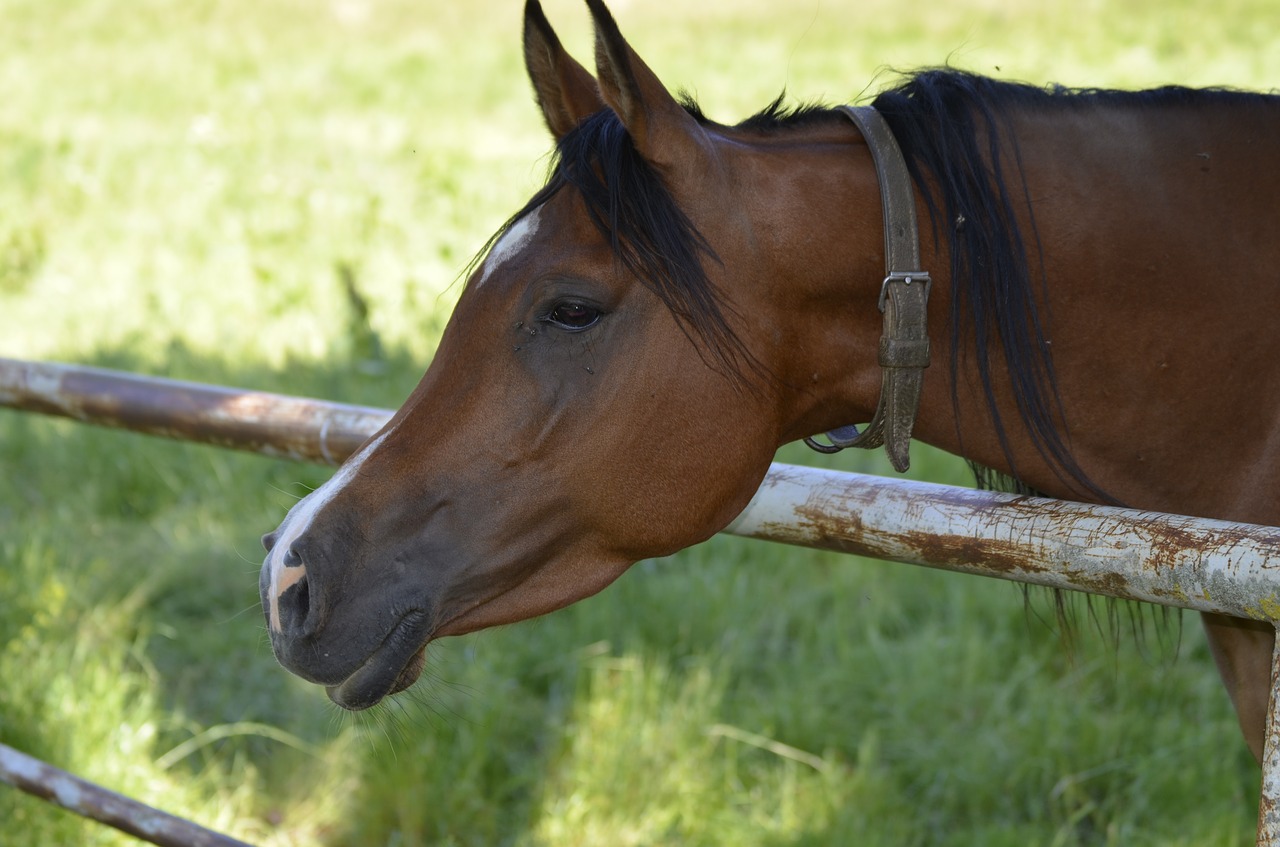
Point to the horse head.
(610, 387)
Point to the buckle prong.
(906, 278)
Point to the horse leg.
(1242, 650)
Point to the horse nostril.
(291, 558)
(269, 540)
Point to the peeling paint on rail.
(1195, 563)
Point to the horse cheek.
(685, 481)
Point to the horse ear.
(659, 126)
(564, 89)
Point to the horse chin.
(373, 682)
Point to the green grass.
(183, 186)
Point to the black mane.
(953, 127)
(778, 116)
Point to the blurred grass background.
(280, 194)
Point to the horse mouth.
(388, 671)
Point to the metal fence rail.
(97, 803)
(1193, 563)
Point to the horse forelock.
(630, 204)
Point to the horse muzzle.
(360, 650)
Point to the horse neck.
(820, 264)
(822, 240)
(1121, 357)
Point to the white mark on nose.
(284, 580)
(510, 244)
(282, 577)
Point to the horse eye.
(573, 316)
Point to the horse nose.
(269, 540)
(290, 595)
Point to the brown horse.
(683, 297)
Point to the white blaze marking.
(298, 520)
(511, 243)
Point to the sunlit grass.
(182, 185)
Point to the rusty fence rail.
(1193, 563)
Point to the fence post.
(1269, 797)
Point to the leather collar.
(904, 299)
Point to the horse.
(682, 297)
